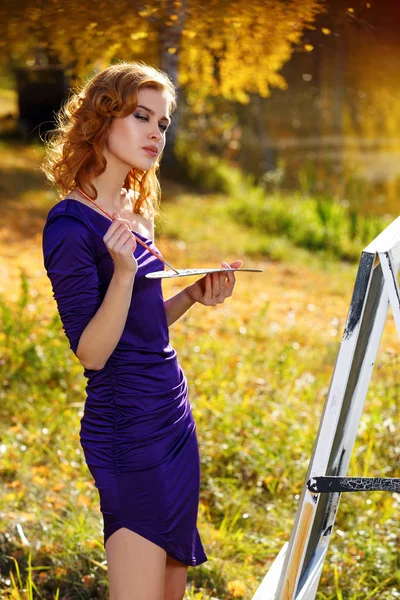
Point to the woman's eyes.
(163, 127)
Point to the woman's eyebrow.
(153, 113)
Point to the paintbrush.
(136, 237)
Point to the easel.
(296, 571)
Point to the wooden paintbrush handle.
(135, 236)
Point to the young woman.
(138, 433)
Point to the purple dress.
(137, 432)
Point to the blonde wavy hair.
(74, 148)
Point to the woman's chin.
(142, 165)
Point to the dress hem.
(191, 562)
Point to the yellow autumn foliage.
(236, 588)
(226, 48)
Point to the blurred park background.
(284, 151)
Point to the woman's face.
(145, 127)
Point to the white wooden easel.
(296, 571)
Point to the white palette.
(189, 272)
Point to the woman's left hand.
(214, 287)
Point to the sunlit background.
(284, 151)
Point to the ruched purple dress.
(137, 432)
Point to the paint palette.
(191, 272)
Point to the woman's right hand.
(121, 243)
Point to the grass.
(312, 220)
(259, 368)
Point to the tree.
(211, 48)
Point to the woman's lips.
(150, 152)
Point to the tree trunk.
(170, 34)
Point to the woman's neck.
(125, 204)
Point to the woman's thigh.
(136, 567)
(175, 579)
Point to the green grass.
(317, 222)
(258, 367)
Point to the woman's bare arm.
(210, 290)
(176, 306)
(103, 332)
